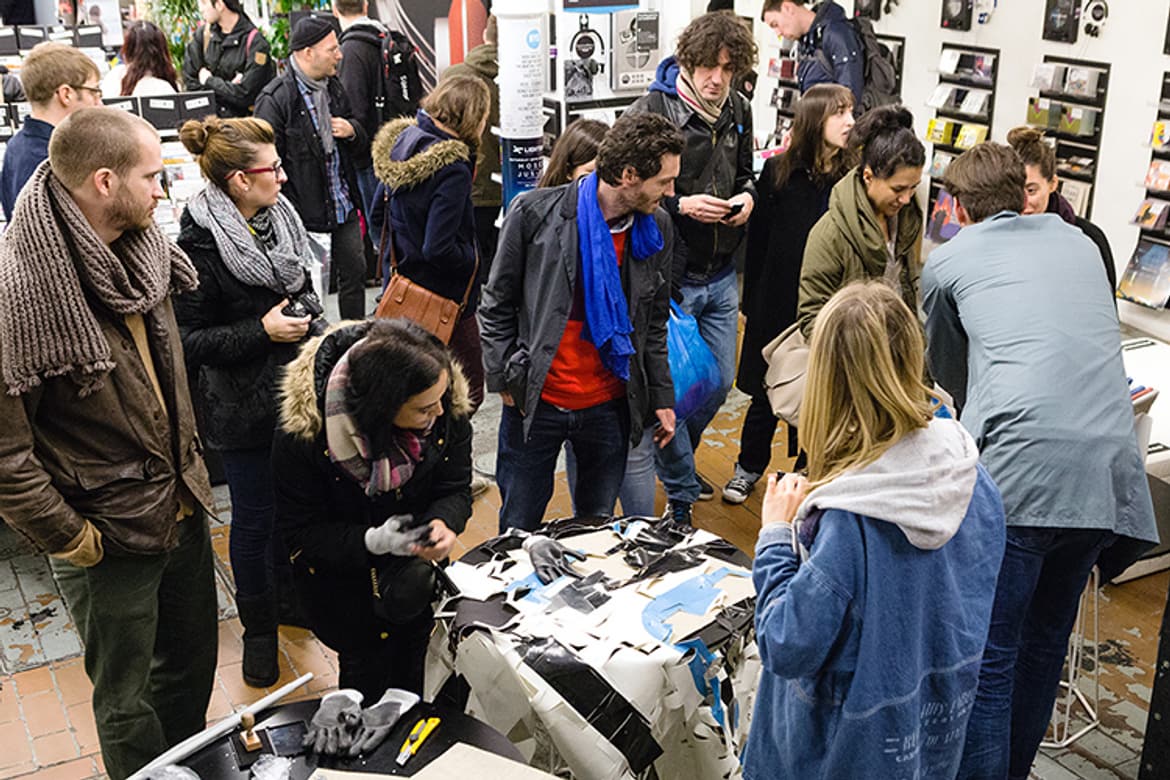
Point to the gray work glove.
(550, 558)
(394, 537)
(335, 723)
(379, 720)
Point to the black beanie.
(308, 31)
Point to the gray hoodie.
(923, 484)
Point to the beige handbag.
(787, 359)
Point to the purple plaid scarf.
(351, 450)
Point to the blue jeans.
(249, 478)
(715, 305)
(1040, 582)
(367, 187)
(524, 469)
(638, 487)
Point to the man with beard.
(573, 322)
(101, 465)
(321, 143)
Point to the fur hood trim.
(414, 170)
(300, 411)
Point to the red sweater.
(577, 379)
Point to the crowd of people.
(918, 573)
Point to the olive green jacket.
(847, 244)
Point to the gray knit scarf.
(47, 327)
(319, 92)
(279, 267)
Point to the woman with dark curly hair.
(146, 67)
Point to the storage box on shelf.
(1070, 107)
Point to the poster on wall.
(956, 14)
(1062, 19)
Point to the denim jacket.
(872, 646)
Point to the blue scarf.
(607, 320)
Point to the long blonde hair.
(864, 389)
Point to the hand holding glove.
(394, 537)
(379, 720)
(550, 558)
(335, 723)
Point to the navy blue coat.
(27, 149)
(831, 53)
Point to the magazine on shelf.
(1151, 214)
(1077, 194)
(941, 96)
(1146, 279)
(971, 135)
(1160, 135)
(940, 131)
(1081, 82)
(944, 219)
(1158, 176)
(939, 164)
(975, 103)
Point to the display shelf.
(965, 98)
(1069, 105)
(1153, 223)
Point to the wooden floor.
(46, 726)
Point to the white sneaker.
(739, 487)
(479, 485)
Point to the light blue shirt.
(1022, 331)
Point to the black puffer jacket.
(299, 147)
(233, 365)
(360, 71)
(323, 514)
(228, 56)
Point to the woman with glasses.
(254, 305)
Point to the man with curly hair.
(830, 49)
(573, 322)
(714, 196)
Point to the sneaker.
(678, 512)
(738, 488)
(706, 491)
(479, 485)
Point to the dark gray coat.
(525, 305)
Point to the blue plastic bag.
(692, 364)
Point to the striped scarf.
(350, 449)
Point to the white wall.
(1131, 42)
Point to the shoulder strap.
(206, 37)
(251, 37)
(394, 255)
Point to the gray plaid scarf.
(280, 267)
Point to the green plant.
(177, 19)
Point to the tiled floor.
(46, 725)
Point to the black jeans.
(755, 441)
(348, 257)
(398, 662)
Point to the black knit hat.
(308, 31)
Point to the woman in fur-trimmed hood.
(426, 166)
(372, 469)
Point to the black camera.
(304, 304)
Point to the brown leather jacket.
(112, 457)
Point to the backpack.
(880, 66)
(400, 88)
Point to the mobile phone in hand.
(733, 211)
